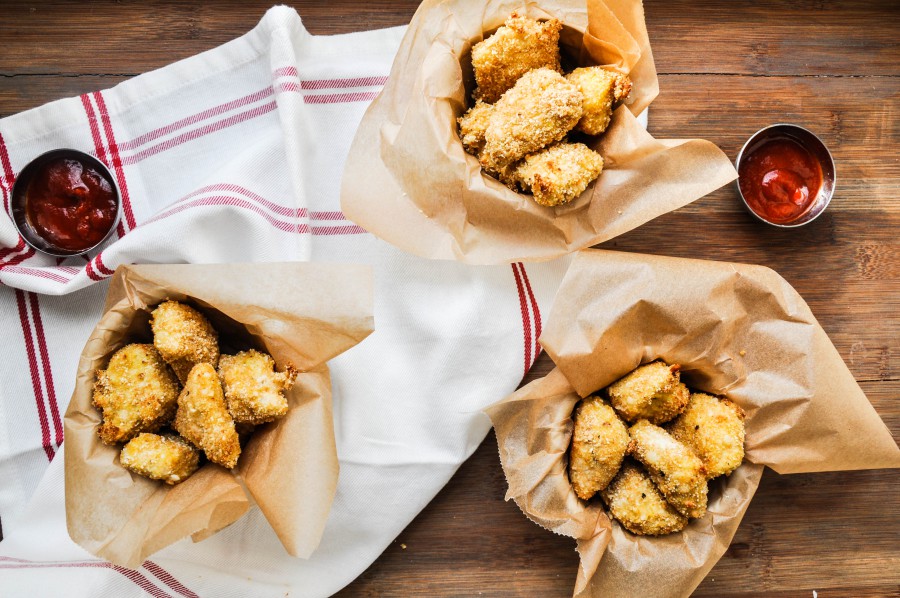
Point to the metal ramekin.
(17, 201)
(813, 145)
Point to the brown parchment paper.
(304, 314)
(737, 330)
(408, 180)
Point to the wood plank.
(688, 36)
(111, 37)
(775, 37)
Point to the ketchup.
(780, 180)
(70, 204)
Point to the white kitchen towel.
(237, 155)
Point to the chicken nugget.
(202, 417)
(601, 89)
(183, 337)
(136, 393)
(714, 429)
(635, 502)
(673, 467)
(520, 45)
(598, 447)
(473, 125)
(168, 457)
(254, 391)
(653, 392)
(558, 174)
(539, 110)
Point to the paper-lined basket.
(736, 330)
(408, 180)
(303, 314)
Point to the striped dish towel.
(237, 155)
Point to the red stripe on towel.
(45, 362)
(169, 580)
(35, 377)
(116, 159)
(535, 312)
(526, 321)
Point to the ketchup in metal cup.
(70, 204)
(780, 179)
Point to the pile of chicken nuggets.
(178, 398)
(653, 475)
(525, 107)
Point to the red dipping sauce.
(70, 204)
(780, 179)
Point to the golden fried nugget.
(539, 110)
(184, 337)
(652, 392)
(601, 89)
(169, 458)
(714, 429)
(136, 393)
(254, 391)
(520, 45)
(636, 503)
(202, 417)
(558, 174)
(598, 447)
(673, 467)
(473, 125)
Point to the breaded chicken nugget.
(652, 392)
(673, 467)
(601, 89)
(598, 447)
(558, 174)
(202, 417)
(136, 393)
(169, 458)
(520, 45)
(183, 337)
(636, 503)
(473, 125)
(539, 110)
(714, 429)
(254, 391)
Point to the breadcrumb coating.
(473, 125)
(601, 89)
(254, 391)
(169, 458)
(539, 110)
(673, 467)
(136, 393)
(183, 337)
(598, 447)
(558, 174)
(520, 45)
(636, 503)
(653, 392)
(714, 429)
(203, 419)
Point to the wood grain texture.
(726, 70)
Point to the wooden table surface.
(726, 69)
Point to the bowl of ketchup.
(65, 202)
(786, 175)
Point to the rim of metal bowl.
(737, 182)
(25, 229)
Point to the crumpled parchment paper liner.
(300, 313)
(737, 330)
(408, 180)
